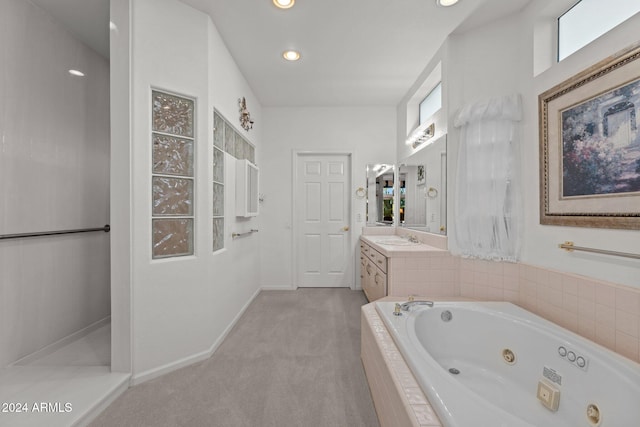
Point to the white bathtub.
(488, 391)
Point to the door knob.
(345, 228)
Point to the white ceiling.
(354, 52)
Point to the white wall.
(54, 175)
(182, 307)
(498, 59)
(540, 242)
(120, 185)
(367, 132)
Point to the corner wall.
(181, 308)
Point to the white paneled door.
(323, 220)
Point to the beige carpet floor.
(293, 359)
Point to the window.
(225, 140)
(589, 19)
(218, 181)
(431, 104)
(172, 176)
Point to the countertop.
(400, 250)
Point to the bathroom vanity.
(373, 271)
(391, 264)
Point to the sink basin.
(395, 241)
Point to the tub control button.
(573, 357)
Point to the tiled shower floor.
(62, 387)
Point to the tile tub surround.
(603, 312)
(606, 313)
(397, 397)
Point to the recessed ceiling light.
(76, 73)
(291, 55)
(284, 4)
(445, 3)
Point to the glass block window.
(225, 139)
(172, 179)
(219, 143)
(589, 19)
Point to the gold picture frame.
(590, 146)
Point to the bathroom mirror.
(380, 194)
(422, 187)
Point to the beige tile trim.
(413, 401)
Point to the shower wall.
(54, 175)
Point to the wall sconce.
(245, 116)
(421, 135)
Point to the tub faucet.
(407, 305)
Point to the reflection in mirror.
(380, 180)
(423, 189)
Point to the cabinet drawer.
(378, 259)
(364, 248)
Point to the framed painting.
(590, 146)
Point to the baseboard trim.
(99, 406)
(198, 357)
(278, 288)
(45, 351)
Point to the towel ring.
(360, 193)
(432, 193)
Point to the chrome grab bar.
(570, 247)
(106, 229)
(234, 235)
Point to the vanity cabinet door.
(368, 279)
(374, 281)
(379, 284)
(373, 272)
(363, 270)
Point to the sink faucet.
(407, 305)
(413, 239)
